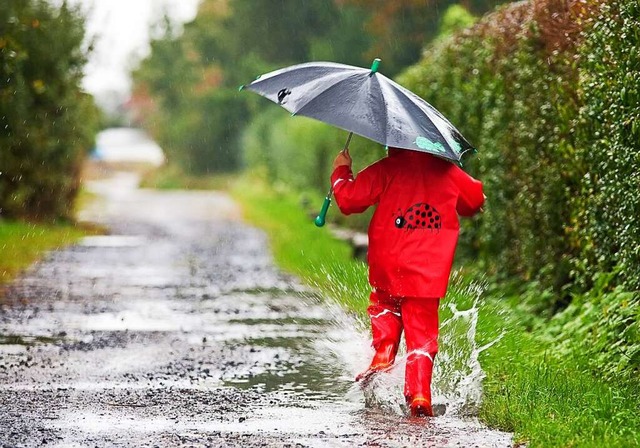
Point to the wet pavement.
(176, 329)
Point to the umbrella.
(364, 102)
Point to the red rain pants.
(418, 316)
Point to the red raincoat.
(414, 231)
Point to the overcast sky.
(121, 29)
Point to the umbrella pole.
(320, 219)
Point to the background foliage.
(186, 90)
(194, 108)
(46, 122)
(546, 89)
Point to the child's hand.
(343, 158)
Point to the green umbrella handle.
(320, 219)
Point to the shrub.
(46, 123)
(603, 326)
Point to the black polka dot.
(423, 214)
(437, 218)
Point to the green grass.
(23, 243)
(544, 400)
(549, 401)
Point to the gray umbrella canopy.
(364, 102)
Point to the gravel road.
(176, 329)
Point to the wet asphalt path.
(176, 329)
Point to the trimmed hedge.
(535, 87)
(607, 209)
(549, 92)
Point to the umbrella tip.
(240, 88)
(374, 66)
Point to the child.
(412, 239)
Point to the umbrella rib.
(427, 110)
(306, 110)
(270, 84)
(430, 110)
(342, 77)
(384, 108)
(417, 110)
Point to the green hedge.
(550, 96)
(607, 209)
(46, 123)
(555, 120)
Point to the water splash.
(458, 375)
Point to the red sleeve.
(470, 196)
(356, 195)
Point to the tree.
(400, 29)
(188, 86)
(46, 122)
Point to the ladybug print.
(420, 216)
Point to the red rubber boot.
(419, 399)
(386, 328)
(420, 319)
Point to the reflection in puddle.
(27, 340)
